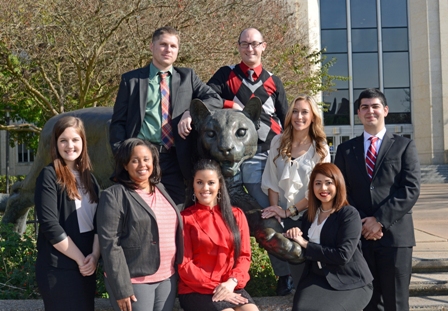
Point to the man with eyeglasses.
(236, 84)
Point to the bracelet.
(293, 210)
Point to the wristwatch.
(234, 279)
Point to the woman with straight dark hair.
(216, 262)
(336, 275)
(140, 232)
(65, 199)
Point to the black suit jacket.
(58, 219)
(130, 105)
(339, 251)
(129, 237)
(394, 188)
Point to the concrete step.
(424, 303)
(428, 303)
(434, 284)
(433, 174)
(429, 265)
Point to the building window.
(369, 40)
(24, 154)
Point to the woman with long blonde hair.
(292, 157)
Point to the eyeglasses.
(254, 44)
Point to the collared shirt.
(378, 143)
(152, 122)
(257, 70)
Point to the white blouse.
(289, 178)
(85, 210)
(315, 229)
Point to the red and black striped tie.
(371, 157)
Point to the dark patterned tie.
(167, 133)
(250, 73)
(371, 156)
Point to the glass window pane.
(395, 39)
(364, 40)
(334, 41)
(398, 100)
(337, 106)
(340, 68)
(356, 93)
(396, 69)
(363, 13)
(365, 70)
(333, 14)
(394, 13)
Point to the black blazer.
(394, 188)
(130, 105)
(339, 251)
(58, 219)
(129, 237)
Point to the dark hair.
(242, 31)
(165, 30)
(372, 93)
(332, 171)
(224, 202)
(65, 177)
(123, 156)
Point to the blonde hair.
(316, 130)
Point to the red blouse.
(208, 250)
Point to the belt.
(162, 149)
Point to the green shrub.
(17, 264)
(262, 278)
(12, 180)
(101, 291)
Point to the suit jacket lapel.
(175, 84)
(143, 90)
(140, 201)
(358, 151)
(388, 141)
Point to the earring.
(193, 197)
(219, 195)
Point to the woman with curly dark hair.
(140, 232)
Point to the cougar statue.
(228, 136)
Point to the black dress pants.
(172, 178)
(391, 268)
(65, 289)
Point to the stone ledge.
(264, 304)
(428, 303)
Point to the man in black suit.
(138, 110)
(384, 189)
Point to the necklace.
(322, 211)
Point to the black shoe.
(285, 285)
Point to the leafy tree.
(62, 55)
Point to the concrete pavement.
(431, 252)
(430, 215)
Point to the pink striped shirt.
(167, 223)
